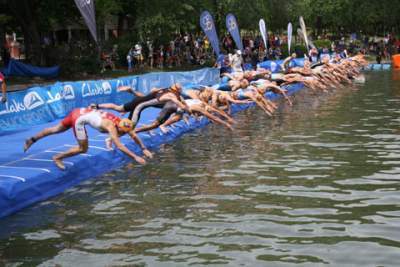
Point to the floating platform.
(27, 178)
(371, 67)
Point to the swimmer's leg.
(81, 148)
(59, 128)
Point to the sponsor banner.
(208, 26)
(86, 7)
(263, 31)
(206, 76)
(44, 104)
(233, 28)
(304, 32)
(289, 34)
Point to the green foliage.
(300, 50)
(160, 20)
(322, 43)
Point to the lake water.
(317, 184)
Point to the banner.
(275, 65)
(289, 33)
(45, 104)
(304, 31)
(86, 7)
(263, 31)
(233, 28)
(208, 26)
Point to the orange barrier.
(396, 61)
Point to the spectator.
(237, 62)
(129, 59)
(150, 54)
(107, 61)
(3, 88)
(138, 55)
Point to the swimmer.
(104, 122)
(198, 108)
(156, 98)
(286, 63)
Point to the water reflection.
(316, 184)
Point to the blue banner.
(289, 35)
(263, 31)
(45, 104)
(233, 28)
(208, 26)
(86, 7)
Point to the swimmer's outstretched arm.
(234, 101)
(174, 118)
(114, 137)
(136, 138)
(119, 108)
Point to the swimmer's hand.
(140, 160)
(94, 106)
(148, 154)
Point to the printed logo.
(32, 100)
(84, 2)
(207, 22)
(133, 84)
(96, 89)
(68, 92)
(107, 88)
(231, 24)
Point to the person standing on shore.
(3, 88)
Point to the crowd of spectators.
(195, 49)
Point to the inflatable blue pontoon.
(32, 177)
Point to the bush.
(322, 43)
(300, 50)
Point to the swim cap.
(125, 125)
(176, 87)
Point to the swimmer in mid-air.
(104, 122)
(156, 98)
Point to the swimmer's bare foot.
(163, 129)
(124, 88)
(28, 143)
(186, 120)
(59, 163)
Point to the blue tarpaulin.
(17, 68)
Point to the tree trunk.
(25, 13)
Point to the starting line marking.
(14, 177)
(49, 160)
(28, 168)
